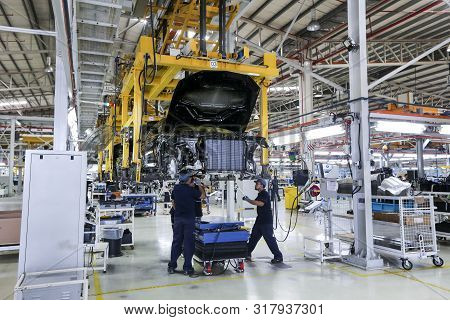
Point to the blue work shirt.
(265, 212)
(185, 198)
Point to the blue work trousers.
(183, 241)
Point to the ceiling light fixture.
(287, 139)
(324, 132)
(49, 67)
(314, 25)
(13, 103)
(400, 127)
(445, 129)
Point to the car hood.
(220, 99)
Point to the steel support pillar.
(230, 200)
(20, 171)
(264, 126)
(203, 27)
(12, 144)
(308, 90)
(222, 28)
(364, 256)
(61, 97)
(420, 162)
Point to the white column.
(20, 166)
(360, 140)
(420, 161)
(306, 106)
(230, 200)
(62, 81)
(308, 90)
(61, 101)
(12, 143)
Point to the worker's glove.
(245, 198)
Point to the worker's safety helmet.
(262, 181)
(185, 175)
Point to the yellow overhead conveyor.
(128, 115)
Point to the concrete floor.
(141, 273)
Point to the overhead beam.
(25, 118)
(24, 88)
(290, 26)
(9, 52)
(294, 64)
(406, 65)
(28, 31)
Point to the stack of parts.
(220, 240)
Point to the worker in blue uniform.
(184, 196)
(264, 223)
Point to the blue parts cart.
(220, 240)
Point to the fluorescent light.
(324, 132)
(400, 127)
(337, 153)
(445, 129)
(190, 34)
(287, 139)
(13, 103)
(321, 153)
(397, 155)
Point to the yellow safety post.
(264, 122)
(125, 141)
(100, 166)
(109, 159)
(137, 121)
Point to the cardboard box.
(10, 227)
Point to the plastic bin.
(290, 194)
(113, 236)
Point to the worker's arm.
(202, 190)
(255, 202)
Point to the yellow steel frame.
(180, 19)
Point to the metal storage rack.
(127, 223)
(409, 232)
(440, 215)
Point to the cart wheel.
(407, 265)
(132, 247)
(241, 266)
(438, 261)
(327, 245)
(207, 270)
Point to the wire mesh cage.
(341, 219)
(404, 228)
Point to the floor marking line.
(228, 278)
(422, 282)
(99, 294)
(97, 287)
(400, 273)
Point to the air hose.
(290, 227)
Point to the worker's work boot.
(170, 270)
(189, 272)
(276, 260)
